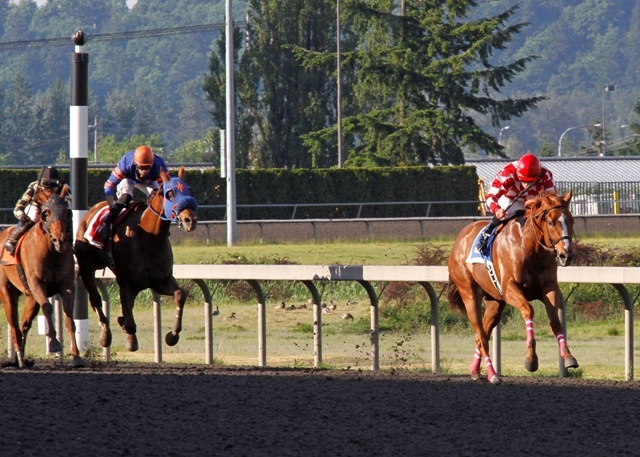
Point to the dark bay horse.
(43, 267)
(525, 258)
(142, 255)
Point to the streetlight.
(506, 127)
(606, 88)
(565, 132)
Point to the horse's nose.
(58, 243)
(190, 223)
(564, 259)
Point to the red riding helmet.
(143, 157)
(528, 168)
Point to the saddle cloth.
(91, 234)
(475, 256)
(8, 259)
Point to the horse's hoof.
(495, 379)
(475, 375)
(132, 343)
(54, 346)
(172, 339)
(105, 338)
(531, 364)
(571, 362)
(77, 362)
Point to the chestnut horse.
(524, 264)
(142, 255)
(43, 266)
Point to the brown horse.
(525, 259)
(43, 267)
(142, 255)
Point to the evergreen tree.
(20, 121)
(277, 99)
(422, 78)
(51, 131)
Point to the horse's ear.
(567, 197)
(181, 172)
(165, 176)
(64, 191)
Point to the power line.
(56, 42)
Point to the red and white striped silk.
(505, 187)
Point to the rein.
(173, 207)
(161, 216)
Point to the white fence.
(425, 276)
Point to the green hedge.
(279, 186)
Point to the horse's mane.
(549, 198)
(545, 199)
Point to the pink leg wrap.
(562, 343)
(490, 371)
(529, 326)
(475, 363)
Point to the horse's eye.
(170, 195)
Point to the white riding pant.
(126, 186)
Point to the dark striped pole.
(78, 142)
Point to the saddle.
(8, 259)
(475, 256)
(92, 235)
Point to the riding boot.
(105, 227)
(486, 234)
(21, 229)
(483, 242)
(117, 206)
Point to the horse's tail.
(455, 300)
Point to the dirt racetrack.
(122, 409)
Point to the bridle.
(179, 203)
(543, 216)
(48, 209)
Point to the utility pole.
(339, 83)
(230, 130)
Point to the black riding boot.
(116, 208)
(105, 228)
(486, 233)
(21, 229)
